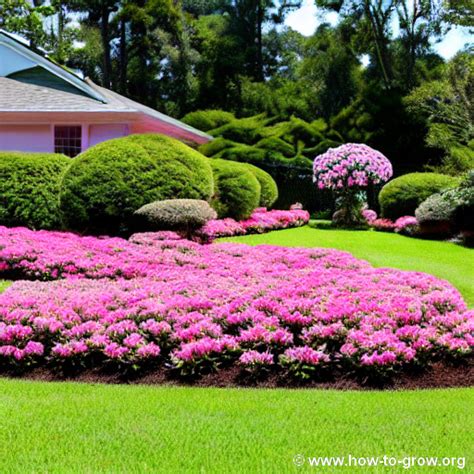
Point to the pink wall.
(39, 138)
(25, 138)
(102, 132)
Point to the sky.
(307, 19)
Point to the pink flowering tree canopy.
(348, 170)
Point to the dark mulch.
(440, 375)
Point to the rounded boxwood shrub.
(206, 120)
(237, 190)
(107, 183)
(29, 189)
(402, 195)
(268, 186)
(175, 214)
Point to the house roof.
(82, 95)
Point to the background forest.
(271, 95)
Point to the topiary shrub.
(246, 130)
(106, 184)
(237, 189)
(29, 189)
(278, 145)
(175, 214)
(206, 120)
(404, 194)
(268, 186)
(215, 146)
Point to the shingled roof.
(20, 94)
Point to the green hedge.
(278, 145)
(29, 189)
(206, 120)
(404, 194)
(216, 146)
(237, 190)
(268, 186)
(107, 183)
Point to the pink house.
(46, 108)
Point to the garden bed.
(224, 314)
(439, 375)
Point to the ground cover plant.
(196, 308)
(381, 249)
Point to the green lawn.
(445, 260)
(68, 427)
(4, 285)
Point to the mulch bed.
(440, 375)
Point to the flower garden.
(203, 281)
(177, 306)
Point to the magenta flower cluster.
(183, 306)
(353, 165)
(403, 225)
(259, 222)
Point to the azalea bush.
(348, 170)
(179, 306)
(259, 222)
(406, 225)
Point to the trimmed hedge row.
(100, 190)
(29, 188)
(106, 184)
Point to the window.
(67, 139)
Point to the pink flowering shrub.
(195, 308)
(383, 225)
(259, 222)
(369, 215)
(407, 225)
(348, 170)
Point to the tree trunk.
(259, 56)
(123, 57)
(104, 31)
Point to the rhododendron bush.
(176, 305)
(348, 170)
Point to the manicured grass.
(67, 427)
(445, 260)
(4, 284)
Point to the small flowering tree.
(348, 170)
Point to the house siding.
(35, 138)
(40, 138)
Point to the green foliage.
(256, 156)
(446, 108)
(276, 144)
(175, 214)
(206, 120)
(237, 189)
(438, 207)
(268, 186)
(107, 183)
(215, 146)
(402, 195)
(244, 130)
(29, 189)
